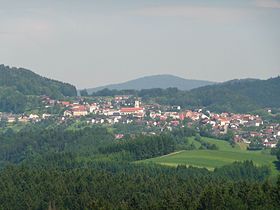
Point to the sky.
(90, 43)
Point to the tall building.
(137, 104)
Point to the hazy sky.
(90, 43)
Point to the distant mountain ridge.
(30, 83)
(156, 81)
(238, 95)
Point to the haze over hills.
(156, 81)
(239, 95)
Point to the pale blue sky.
(91, 43)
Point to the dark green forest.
(46, 166)
(118, 186)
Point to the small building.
(67, 113)
(23, 119)
(33, 117)
(11, 119)
(79, 111)
(131, 110)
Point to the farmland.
(211, 159)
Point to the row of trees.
(36, 140)
(143, 147)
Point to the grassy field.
(211, 159)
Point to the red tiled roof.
(65, 103)
(79, 109)
(131, 109)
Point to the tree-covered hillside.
(264, 93)
(27, 82)
(232, 96)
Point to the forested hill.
(233, 96)
(240, 94)
(156, 81)
(27, 82)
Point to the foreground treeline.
(58, 167)
(129, 186)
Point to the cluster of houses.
(106, 109)
(268, 135)
(246, 127)
(22, 118)
(127, 109)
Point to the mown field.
(211, 159)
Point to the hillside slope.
(263, 93)
(235, 96)
(29, 83)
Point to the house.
(23, 119)
(258, 122)
(213, 123)
(33, 117)
(254, 134)
(182, 116)
(175, 123)
(193, 115)
(45, 116)
(203, 116)
(270, 144)
(224, 121)
(79, 111)
(119, 136)
(65, 103)
(254, 123)
(11, 119)
(93, 107)
(163, 118)
(67, 113)
(131, 110)
(122, 97)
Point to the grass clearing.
(211, 159)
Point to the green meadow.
(210, 159)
